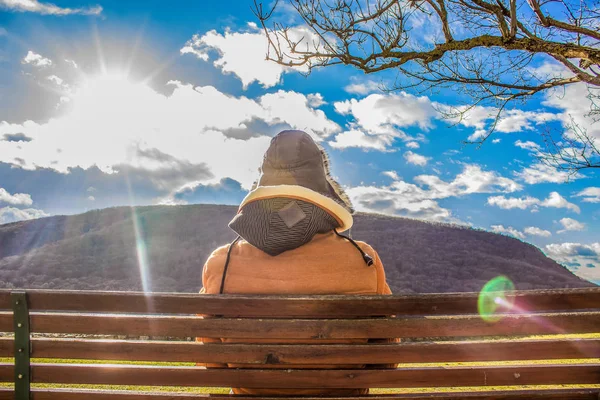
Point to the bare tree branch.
(485, 50)
(572, 151)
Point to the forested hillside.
(100, 250)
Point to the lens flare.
(140, 244)
(493, 299)
(141, 251)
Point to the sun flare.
(109, 92)
(114, 97)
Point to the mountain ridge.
(100, 249)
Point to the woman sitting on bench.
(290, 242)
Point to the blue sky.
(149, 102)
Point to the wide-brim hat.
(296, 167)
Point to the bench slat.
(297, 306)
(297, 378)
(427, 352)
(78, 394)
(188, 326)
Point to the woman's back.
(289, 242)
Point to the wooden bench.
(446, 344)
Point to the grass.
(215, 390)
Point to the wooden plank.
(6, 321)
(429, 352)
(7, 347)
(297, 306)
(188, 326)
(303, 378)
(78, 394)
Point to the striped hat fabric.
(294, 198)
(279, 224)
(295, 167)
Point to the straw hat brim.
(341, 214)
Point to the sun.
(110, 96)
(114, 76)
(106, 85)
(112, 115)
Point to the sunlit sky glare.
(175, 101)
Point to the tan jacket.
(326, 265)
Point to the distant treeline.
(100, 250)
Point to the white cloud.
(62, 86)
(244, 53)
(474, 117)
(363, 87)
(554, 200)
(315, 100)
(569, 224)
(508, 203)
(17, 199)
(582, 259)
(535, 231)
(518, 120)
(510, 121)
(55, 79)
(354, 138)
(479, 134)
(496, 141)
(373, 117)
(549, 70)
(91, 198)
(47, 8)
(295, 109)
(36, 60)
(563, 250)
(391, 174)
(472, 180)
(343, 107)
(197, 47)
(413, 145)
(379, 113)
(386, 115)
(575, 103)
(419, 200)
(425, 32)
(401, 199)
(11, 214)
(508, 231)
(528, 145)
(416, 159)
(540, 173)
(590, 195)
(451, 152)
(115, 123)
(557, 201)
(71, 63)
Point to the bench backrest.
(543, 338)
